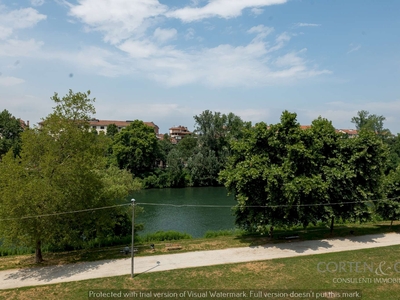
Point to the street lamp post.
(133, 236)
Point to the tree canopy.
(61, 169)
(283, 175)
(365, 121)
(135, 148)
(10, 131)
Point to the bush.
(229, 232)
(159, 236)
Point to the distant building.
(101, 125)
(23, 124)
(352, 133)
(160, 136)
(178, 132)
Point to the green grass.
(298, 273)
(230, 232)
(221, 240)
(160, 236)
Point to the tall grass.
(159, 236)
(229, 232)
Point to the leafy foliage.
(10, 131)
(285, 176)
(389, 209)
(61, 168)
(365, 121)
(135, 148)
(112, 130)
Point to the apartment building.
(101, 125)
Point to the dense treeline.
(280, 174)
(53, 186)
(283, 175)
(195, 161)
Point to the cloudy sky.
(168, 60)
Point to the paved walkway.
(107, 268)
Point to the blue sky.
(168, 60)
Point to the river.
(190, 219)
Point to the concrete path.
(107, 268)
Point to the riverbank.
(201, 244)
(143, 265)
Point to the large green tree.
(215, 130)
(394, 152)
(187, 146)
(61, 169)
(203, 168)
(164, 148)
(135, 148)
(389, 209)
(364, 120)
(10, 131)
(283, 175)
(112, 130)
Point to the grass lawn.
(219, 242)
(285, 275)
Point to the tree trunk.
(332, 222)
(38, 252)
(391, 223)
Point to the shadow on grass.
(49, 273)
(307, 241)
(148, 270)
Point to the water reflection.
(193, 220)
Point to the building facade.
(101, 125)
(178, 132)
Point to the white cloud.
(17, 19)
(251, 64)
(253, 115)
(290, 59)
(94, 60)
(146, 111)
(261, 31)
(5, 32)
(257, 11)
(139, 49)
(163, 35)
(224, 65)
(280, 42)
(127, 24)
(307, 25)
(15, 47)
(37, 2)
(341, 113)
(353, 48)
(118, 20)
(190, 33)
(10, 81)
(219, 8)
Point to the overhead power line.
(64, 213)
(263, 206)
(195, 205)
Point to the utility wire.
(64, 213)
(196, 205)
(263, 206)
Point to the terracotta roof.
(179, 128)
(23, 124)
(348, 131)
(97, 122)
